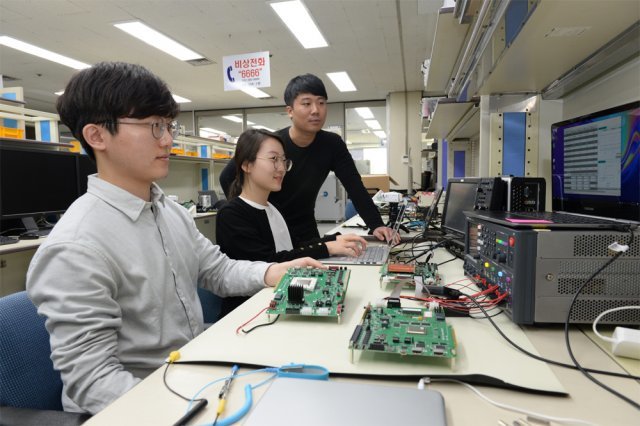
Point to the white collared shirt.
(117, 279)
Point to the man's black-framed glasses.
(158, 127)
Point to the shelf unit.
(553, 39)
(452, 120)
(446, 53)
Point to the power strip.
(626, 342)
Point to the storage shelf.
(30, 143)
(454, 120)
(536, 58)
(203, 160)
(448, 43)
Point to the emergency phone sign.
(249, 69)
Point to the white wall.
(616, 88)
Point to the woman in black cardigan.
(248, 227)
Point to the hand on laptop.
(347, 245)
(384, 233)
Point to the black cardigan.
(243, 233)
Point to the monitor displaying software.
(595, 163)
(460, 196)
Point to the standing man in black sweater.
(315, 153)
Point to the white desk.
(151, 403)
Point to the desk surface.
(151, 403)
(21, 245)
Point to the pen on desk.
(191, 413)
(222, 396)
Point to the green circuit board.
(394, 273)
(405, 331)
(311, 292)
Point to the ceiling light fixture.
(180, 99)
(365, 112)
(158, 40)
(255, 92)
(261, 127)
(373, 124)
(342, 81)
(236, 119)
(59, 93)
(297, 18)
(381, 134)
(42, 53)
(232, 118)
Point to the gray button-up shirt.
(116, 280)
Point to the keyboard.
(373, 255)
(7, 240)
(563, 217)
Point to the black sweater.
(243, 233)
(311, 165)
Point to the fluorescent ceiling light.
(59, 93)
(157, 40)
(365, 112)
(233, 118)
(42, 53)
(373, 124)
(255, 92)
(297, 18)
(342, 81)
(208, 131)
(258, 126)
(381, 134)
(180, 99)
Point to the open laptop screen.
(595, 162)
(460, 196)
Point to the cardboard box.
(373, 183)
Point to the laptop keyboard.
(7, 240)
(373, 254)
(563, 218)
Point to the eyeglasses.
(286, 163)
(158, 127)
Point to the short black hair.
(108, 91)
(307, 83)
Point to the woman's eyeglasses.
(286, 163)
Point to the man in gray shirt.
(117, 277)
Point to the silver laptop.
(374, 254)
(295, 402)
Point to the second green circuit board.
(405, 331)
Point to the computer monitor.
(86, 167)
(36, 182)
(460, 196)
(595, 163)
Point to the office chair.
(211, 306)
(29, 382)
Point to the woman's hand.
(347, 245)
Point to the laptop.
(294, 402)
(595, 176)
(430, 216)
(374, 254)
